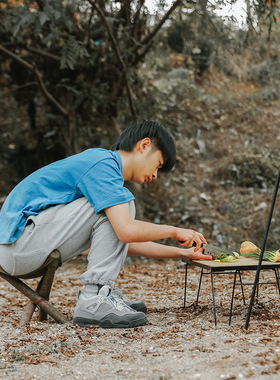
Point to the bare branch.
(206, 14)
(40, 82)
(249, 20)
(119, 58)
(15, 57)
(139, 57)
(88, 26)
(147, 41)
(46, 93)
(43, 53)
(159, 25)
(13, 90)
(52, 56)
(137, 15)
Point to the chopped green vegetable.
(273, 256)
(227, 257)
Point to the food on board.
(227, 257)
(248, 248)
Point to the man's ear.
(143, 144)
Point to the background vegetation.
(73, 74)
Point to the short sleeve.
(103, 185)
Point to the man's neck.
(127, 164)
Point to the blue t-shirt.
(95, 174)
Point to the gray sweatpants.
(71, 229)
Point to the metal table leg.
(213, 296)
(199, 286)
(241, 284)
(186, 277)
(232, 296)
(277, 278)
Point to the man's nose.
(154, 175)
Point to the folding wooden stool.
(39, 297)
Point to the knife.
(210, 250)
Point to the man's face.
(149, 162)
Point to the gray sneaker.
(134, 304)
(107, 311)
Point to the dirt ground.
(177, 343)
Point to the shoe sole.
(108, 324)
(137, 307)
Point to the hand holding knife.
(197, 240)
(191, 239)
(208, 249)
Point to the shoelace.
(120, 295)
(117, 302)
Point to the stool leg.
(27, 315)
(30, 308)
(35, 297)
(45, 289)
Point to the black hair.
(159, 136)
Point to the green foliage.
(264, 72)
(84, 63)
(87, 73)
(200, 36)
(72, 51)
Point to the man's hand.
(187, 238)
(191, 254)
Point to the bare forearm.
(153, 250)
(139, 231)
(129, 230)
(159, 251)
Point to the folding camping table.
(242, 264)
